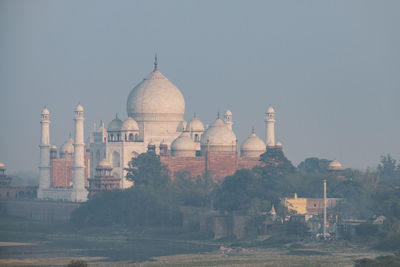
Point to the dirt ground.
(27, 243)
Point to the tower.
(270, 127)
(228, 119)
(44, 167)
(79, 193)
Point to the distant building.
(155, 109)
(309, 206)
(7, 191)
(103, 179)
(336, 168)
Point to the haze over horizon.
(330, 70)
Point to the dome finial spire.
(252, 130)
(155, 62)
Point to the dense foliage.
(155, 200)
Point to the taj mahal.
(155, 122)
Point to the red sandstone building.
(61, 167)
(103, 179)
(8, 191)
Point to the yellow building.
(305, 206)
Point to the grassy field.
(27, 243)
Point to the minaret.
(44, 168)
(270, 127)
(228, 119)
(79, 192)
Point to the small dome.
(53, 148)
(183, 142)
(182, 126)
(228, 113)
(335, 166)
(130, 125)
(115, 125)
(183, 146)
(2, 166)
(151, 143)
(104, 164)
(67, 147)
(253, 147)
(270, 110)
(195, 125)
(218, 134)
(253, 143)
(79, 108)
(278, 144)
(101, 128)
(164, 144)
(45, 111)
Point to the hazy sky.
(331, 69)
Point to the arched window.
(136, 137)
(126, 138)
(130, 137)
(118, 137)
(196, 137)
(116, 159)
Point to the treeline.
(155, 200)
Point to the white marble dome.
(228, 113)
(104, 164)
(183, 146)
(182, 126)
(79, 108)
(45, 111)
(155, 95)
(335, 166)
(219, 135)
(101, 128)
(253, 146)
(67, 147)
(129, 125)
(270, 110)
(115, 125)
(195, 125)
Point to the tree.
(192, 191)
(150, 202)
(148, 171)
(236, 191)
(388, 170)
(314, 165)
(276, 163)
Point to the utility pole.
(324, 208)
